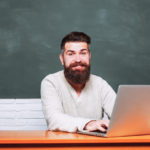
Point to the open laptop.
(131, 112)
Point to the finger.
(90, 129)
(104, 123)
(102, 129)
(104, 126)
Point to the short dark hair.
(75, 37)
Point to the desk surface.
(47, 137)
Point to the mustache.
(78, 64)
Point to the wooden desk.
(37, 140)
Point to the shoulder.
(96, 79)
(54, 77)
(102, 85)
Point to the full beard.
(77, 76)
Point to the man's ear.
(61, 57)
(90, 55)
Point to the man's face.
(76, 61)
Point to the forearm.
(64, 122)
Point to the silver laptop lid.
(131, 113)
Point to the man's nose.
(78, 59)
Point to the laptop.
(131, 113)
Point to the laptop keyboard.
(95, 133)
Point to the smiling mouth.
(78, 67)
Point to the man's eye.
(83, 53)
(70, 54)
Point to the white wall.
(21, 114)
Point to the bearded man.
(74, 99)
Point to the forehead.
(76, 46)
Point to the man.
(74, 99)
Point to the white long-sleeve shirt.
(64, 110)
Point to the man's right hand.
(94, 125)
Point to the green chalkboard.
(31, 32)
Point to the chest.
(88, 104)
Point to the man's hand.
(94, 125)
